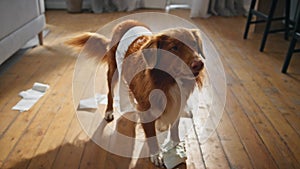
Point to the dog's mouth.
(191, 75)
(196, 74)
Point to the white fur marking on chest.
(126, 40)
(130, 36)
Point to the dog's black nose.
(197, 66)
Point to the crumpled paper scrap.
(174, 154)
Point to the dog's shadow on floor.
(88, 154)
(133, 153)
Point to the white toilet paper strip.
(31, 96)
(93, 102)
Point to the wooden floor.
(260, 126)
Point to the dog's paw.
(109, 116)
(157, 159)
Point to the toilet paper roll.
(40, 87)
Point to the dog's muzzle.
(196, 67)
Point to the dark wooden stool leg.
(253, 2)
(293, 42)
(268, 25)
(287, 19)
(289, 55)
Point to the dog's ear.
(155, 44)
(93, 44)
(198, 38)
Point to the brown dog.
(170, 61)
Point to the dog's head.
(182, 43)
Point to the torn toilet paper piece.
(31, 96)
(93, 102)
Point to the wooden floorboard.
(260, 126)
(232, 144)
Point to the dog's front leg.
(174, 135)
(111, 81)
(155, 155)
(174, 138)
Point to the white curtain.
(99, 6)
(205, 8)
(199, 8)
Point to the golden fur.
(184, 43)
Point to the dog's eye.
(174, 48)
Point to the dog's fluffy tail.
(93, 44)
